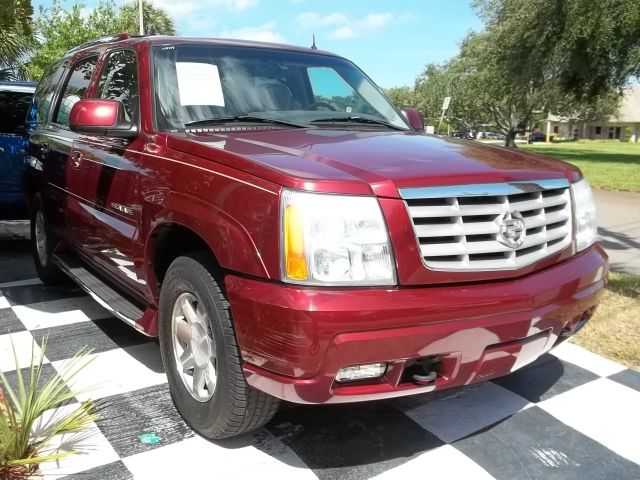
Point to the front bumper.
(293, 340)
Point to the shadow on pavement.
(369, 438)
(611, 240)
(15, 252)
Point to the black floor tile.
(351, 441)
(545, 378)
(110, 471)
(123, 418)
(98, 335)
(46, 374)
(627, 377)
(9, 322)
(533, 444)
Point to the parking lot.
(571, 414)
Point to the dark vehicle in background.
(289, 235)
(15, 102)
(463, 134)
(537, 136)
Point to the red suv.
(290, 235)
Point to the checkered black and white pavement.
(571, 414)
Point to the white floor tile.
(587, 360)
(117, 371)
(442, 462)
(91, 447)
(23, 343)
(21, 283)
(464, 411)
(604, 410)
(4, 303)
(59, 312)
(198, 458)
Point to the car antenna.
(313, 47)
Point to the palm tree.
(15, 25)
(156, 20)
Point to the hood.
(358, 162)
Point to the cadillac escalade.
(290, 235)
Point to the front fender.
(237, 235)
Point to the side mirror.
(101, 117)
(414, 118)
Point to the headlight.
(584, 210)
(334, 240)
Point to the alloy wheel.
(194, 348)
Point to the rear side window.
(75, 89)
(13, 111)
(43, 98)
(119, 81)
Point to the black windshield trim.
(245, 119)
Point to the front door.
(109, 215)
(52, 144)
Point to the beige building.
(626, 126)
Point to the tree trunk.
(510, 139)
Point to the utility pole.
(140, 19)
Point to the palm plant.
(17, 41)
(32, 416)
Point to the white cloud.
(342, 27)
(314, 19)
(370, 23)
(261, 33)
(179, 9)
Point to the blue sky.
(390, 40)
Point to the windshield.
(197, 83)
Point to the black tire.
(235, 407)
(47, 270)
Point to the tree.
(587, 48)
(523, 65)
(15, 25)
(401, 97)
(448, 79)
(155, 20)
(58, 29)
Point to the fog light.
(361, 372)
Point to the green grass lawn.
(614, 330)
(607, 165)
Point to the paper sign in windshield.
(199, 84)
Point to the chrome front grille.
(459, 227)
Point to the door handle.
(76, 158)
(44, 149)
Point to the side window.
(13, 111)
(119, 81)
(75, 89)
(43, 98)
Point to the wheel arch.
(229, 245)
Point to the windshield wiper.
(356, 120)
(243, 118)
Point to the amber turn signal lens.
(295, 260)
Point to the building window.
(556, 129)
(598, 130)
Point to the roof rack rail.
(101, 40)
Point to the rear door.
(109, 213)
(14, 104)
